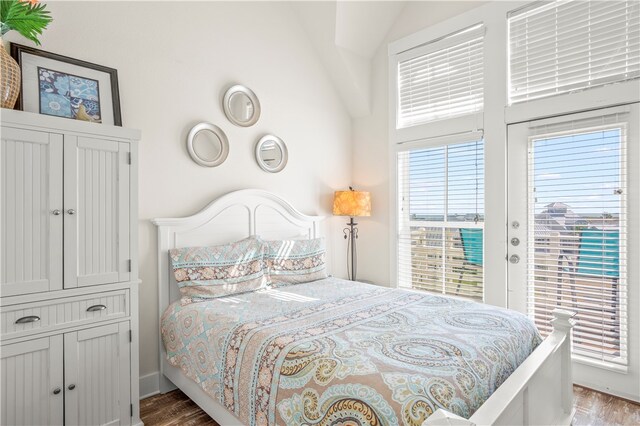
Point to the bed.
(332, 351)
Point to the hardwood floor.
(592, 409)
(173, 409)
(599, 409)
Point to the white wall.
(371, 139)
(173, 61)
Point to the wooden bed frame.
(538, 392)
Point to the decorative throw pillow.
(295, 261)
(217, 271)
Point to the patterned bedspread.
(336, 352)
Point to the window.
(442, 79)
(577, 202)
(564, 46)
(441, 201)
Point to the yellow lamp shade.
(352, 203)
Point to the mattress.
(334, 351)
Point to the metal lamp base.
(351, 235)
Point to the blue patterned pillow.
(295, 261)
(217, 271)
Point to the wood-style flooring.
(599, 409)
(592, 409)
(173, 409)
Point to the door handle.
(514, 259)
(515, 241)
(56, 212)
(71, 212)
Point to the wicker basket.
(10, 82)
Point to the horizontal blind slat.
(445, 83)
(576, 246)
(566, 46)
(433, 254)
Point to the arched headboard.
(232, 217)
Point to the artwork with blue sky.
(69, 96)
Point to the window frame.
(456, 38)
(444, 141)
(490, 121)
(517, 14)
(631, 175)
(562, 131)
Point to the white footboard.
(539, 392)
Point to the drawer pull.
(96, 308)
(28, 319)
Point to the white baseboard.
(149, 385)
(605, 389)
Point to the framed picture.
(66, 87)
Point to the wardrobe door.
(97, 376)
(96, 211)
(31, 225)
(31, 382)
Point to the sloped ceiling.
(346, 35)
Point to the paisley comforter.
(338, 352)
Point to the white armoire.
(69, 272)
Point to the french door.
(573, 231)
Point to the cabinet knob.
(57, 391)
(71, 387)
(56, 212)
(71, 212)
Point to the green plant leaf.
(24, 18)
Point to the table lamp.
(351, 203)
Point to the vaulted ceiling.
(346, 35)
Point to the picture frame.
(66, 87)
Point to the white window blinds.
(577, 246)
(441, 219)
(442, 79)
(564, 46)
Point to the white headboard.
(232, 217)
